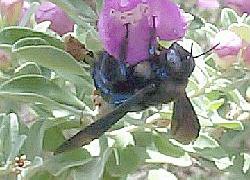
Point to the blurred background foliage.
(45, 97)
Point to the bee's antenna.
(206, 51)
(123, 54)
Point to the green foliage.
(57, 89)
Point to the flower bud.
(5, 60)
(60, 21)
(11, 10)
(246, 56)
(228, 48)
(242, 6)
(208, 4)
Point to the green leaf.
(12, 141)
(33, 144)
(42, 175)
(143, 139)
(99, 4)
(48, 103)
(196, 23)
(29, 41)
(242, 30)
(158, 158)
(93, 169)
(53, 137)
(5, 143)
(228, 16)
(214, 95)
(123, 139)
(205, 141)
(216, 104)
(236, 125)
(15, 139)
(165, 147)
(93, 43)
(41, 132)
(75, 8)
(125, 160)
(10, 35)
(6, 47)
(61, 162)
(212, 153)
(27, 68)
(39, 85)
(50, 57)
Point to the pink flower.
(208, 4)
(242, 6)
(11, 10)
(169, 22)
(246, 56)
(228, 48)
(229, 43)
(60, 21)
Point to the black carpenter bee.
(163, 81)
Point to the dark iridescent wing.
(96, 129)
(185, 124)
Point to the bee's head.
(178, 62)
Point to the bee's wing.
(185, 124)
(96, 129)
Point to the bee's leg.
(124, 45)
(153, 42)
(102, 74)
(112, 69)
(185, 126)
(110, 72)
(121, 74)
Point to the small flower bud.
(228, 48)
(11, 10)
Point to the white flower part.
(133, 16)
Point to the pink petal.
(112, 32)
(170, 24)
(208, 4)
(60, 21)
(229, 43)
